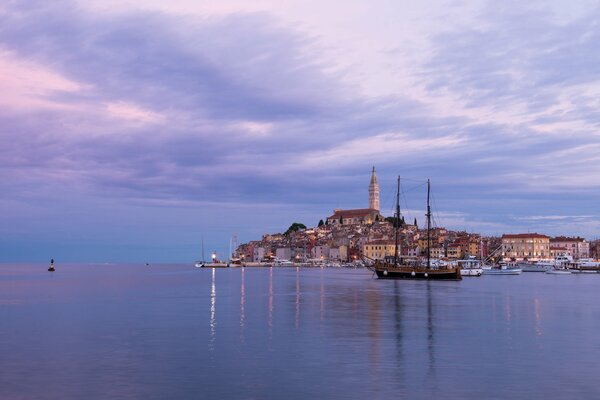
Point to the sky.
(135, 133)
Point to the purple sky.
(129, 133)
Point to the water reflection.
(538, 317)
(212, 321)
(430, 332)
(297, 297)
(270, 322)
(242, 307)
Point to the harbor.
(172, 330)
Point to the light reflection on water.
(182, 332)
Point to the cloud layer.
(118, 122)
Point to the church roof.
(359, 212)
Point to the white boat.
(558, 271)
(470, 267)
(584, 266)
(538, 266)
(279, 262)
(502, 269)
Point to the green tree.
(295, 227)
(415, 224)
(321, 223)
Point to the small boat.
(470, 267)
(539, 266)
(558, 271)
(502, 269)
(51, 267)
(279, 262)
(584, 266)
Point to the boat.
(503, 269)
(401, 268)
(584, 266)
(280, 262)
(558, 271)
(470, 267)
(214, 264)
(202, 263)
(51, 267)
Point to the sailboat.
(403, 269)
(201, 263)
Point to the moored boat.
(558, 271)
(400, 268)
(470, 267)
(503, 269)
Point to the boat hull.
(512, 271)
(471, 271)
(394, 272)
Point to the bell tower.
(374, 192)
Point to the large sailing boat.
(413, 269)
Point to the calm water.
(173, 331)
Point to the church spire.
(374, 192)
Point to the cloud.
(127, 105)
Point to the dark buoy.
(51, 267)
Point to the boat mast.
(203, 259)
(428, 226)
(397, 222)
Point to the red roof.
(381, 242)
(567, 239)
(524, 236)
(360, 212)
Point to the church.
(360, 216)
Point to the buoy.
(385, 272)
(51, 267)
(425, 274)
(413, 273)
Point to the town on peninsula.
(348, 237)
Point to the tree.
(295, 227)
(321, 223)
(415, 221)
(341, 220)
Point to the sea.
(125, 331)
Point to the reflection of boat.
(502, 269)
(470, 267)
(403, 269)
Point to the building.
(361, 216)
(575, 247)
(374, 192)
(525, 246)
(379, 249)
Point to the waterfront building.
(379, 249)
(455, 251)
(338, 253)
(283, 253)
(525, 246)
(321, 252)
(575, 247)
(360, 216)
